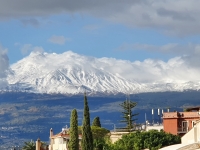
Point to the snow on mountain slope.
(70, 73)
(67, 73)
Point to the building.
(60, 141)
(154, 127)
(179, 123)
(115, 136)
(191, 140)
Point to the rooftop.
(190, 114)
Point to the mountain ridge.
(71, 73)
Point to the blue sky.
(135, 30)
(84, 35)
(153, 33)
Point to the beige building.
(114, 136)
(60, 141)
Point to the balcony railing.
(183, 130)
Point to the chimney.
(51, 132)
(38, 144)
(51, 140)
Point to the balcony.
(183, 130)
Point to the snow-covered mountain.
(71, 73)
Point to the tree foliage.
(96, 122)
(152, 140)
(99, 132)
(87, 139)
(128, 117)
(100, 136)
(74, 141)
(29, 145)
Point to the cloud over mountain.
(73, 73)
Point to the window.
(193, 123)
(184, 125)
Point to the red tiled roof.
(63, 135)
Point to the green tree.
(29, 145)
(43, 146)
(87, 139)
(74, 141)
(96, 122)
(152, 140)
(128, 117)
(100, 136)
(98, 132)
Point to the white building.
(154, 127)
(60, 141)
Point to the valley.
(27, 116)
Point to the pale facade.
(193, 136)
(154, 127)
(60, 141)
(115, 136)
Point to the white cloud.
(178, 69)
(4, 65)
(58, 39)
(94, 72)
(180, 17)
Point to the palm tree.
(29, 145)
(43, 145)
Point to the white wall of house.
(193, 135)
(155, 127)
(59, 144)
(190, 140)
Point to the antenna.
(158, 116)
(152, 116)
(162, 116)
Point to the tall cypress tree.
(74, 141)
(96, 122)
(87, 139)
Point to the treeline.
(152, 140)
(95, 137)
